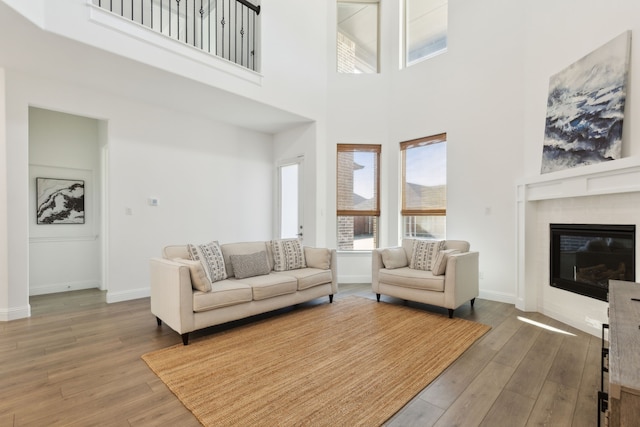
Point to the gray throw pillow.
(255, 264)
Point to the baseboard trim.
(7, 314)
(54, 288)
(593, 327)
(354, 279)
(128, 295)
(497, 296)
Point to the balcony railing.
(226, 28)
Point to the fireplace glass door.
(584, 257)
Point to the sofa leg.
(185, 339)
(378, 297)
(158, 321)
(473, 301)
(450, 313)
(330, 298)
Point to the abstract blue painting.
(585, 109)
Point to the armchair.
(449, 284)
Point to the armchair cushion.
(411, 278)
(440, 264)
(424, 253)
(394, 258)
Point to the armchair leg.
(158, 321)
(330, 298)
(185, 339)
(473, 300)
(450, 313)
(378, 297)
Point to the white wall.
(64, 256)
(557, 35)
(474, 94)
(213, 181)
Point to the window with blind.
(358, 196)
(424, 187)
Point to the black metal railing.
(226, 28)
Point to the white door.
(290, 186)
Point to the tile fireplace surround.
(606, 193)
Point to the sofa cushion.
(211, 258)
(424, 253)
(270, 285)
(412, 278)
(308, 277)
(394, 258)
(199, 279)
(250, 265)
(224, 293)
(317, 258)
(440, 264)
(287, 254)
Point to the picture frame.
(60, 201)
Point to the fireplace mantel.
(617, 176)
(614, 177)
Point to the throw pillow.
(317, 258)
(394, 258)
(199, 279)
(424, 253)
(255, 264)
(287, 254)
(210, 255)
(440, 264)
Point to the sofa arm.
(172, 294)
(376, 265)
(461, 282)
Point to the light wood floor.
(76, 362)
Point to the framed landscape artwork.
(59, 201)
(585, 108)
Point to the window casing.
(424, 187)
(357, 37)
(425, 29)
(358, 196)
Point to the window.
(424, 187)
(426, 24)
(357, 38)
(358, 194)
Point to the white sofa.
(454, 283)
(175, 301)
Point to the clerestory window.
(425, 29)
(357, 37)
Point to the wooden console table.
(624, 353)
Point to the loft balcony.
(228, 29)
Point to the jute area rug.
(355, 362)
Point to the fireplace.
(584, 257)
